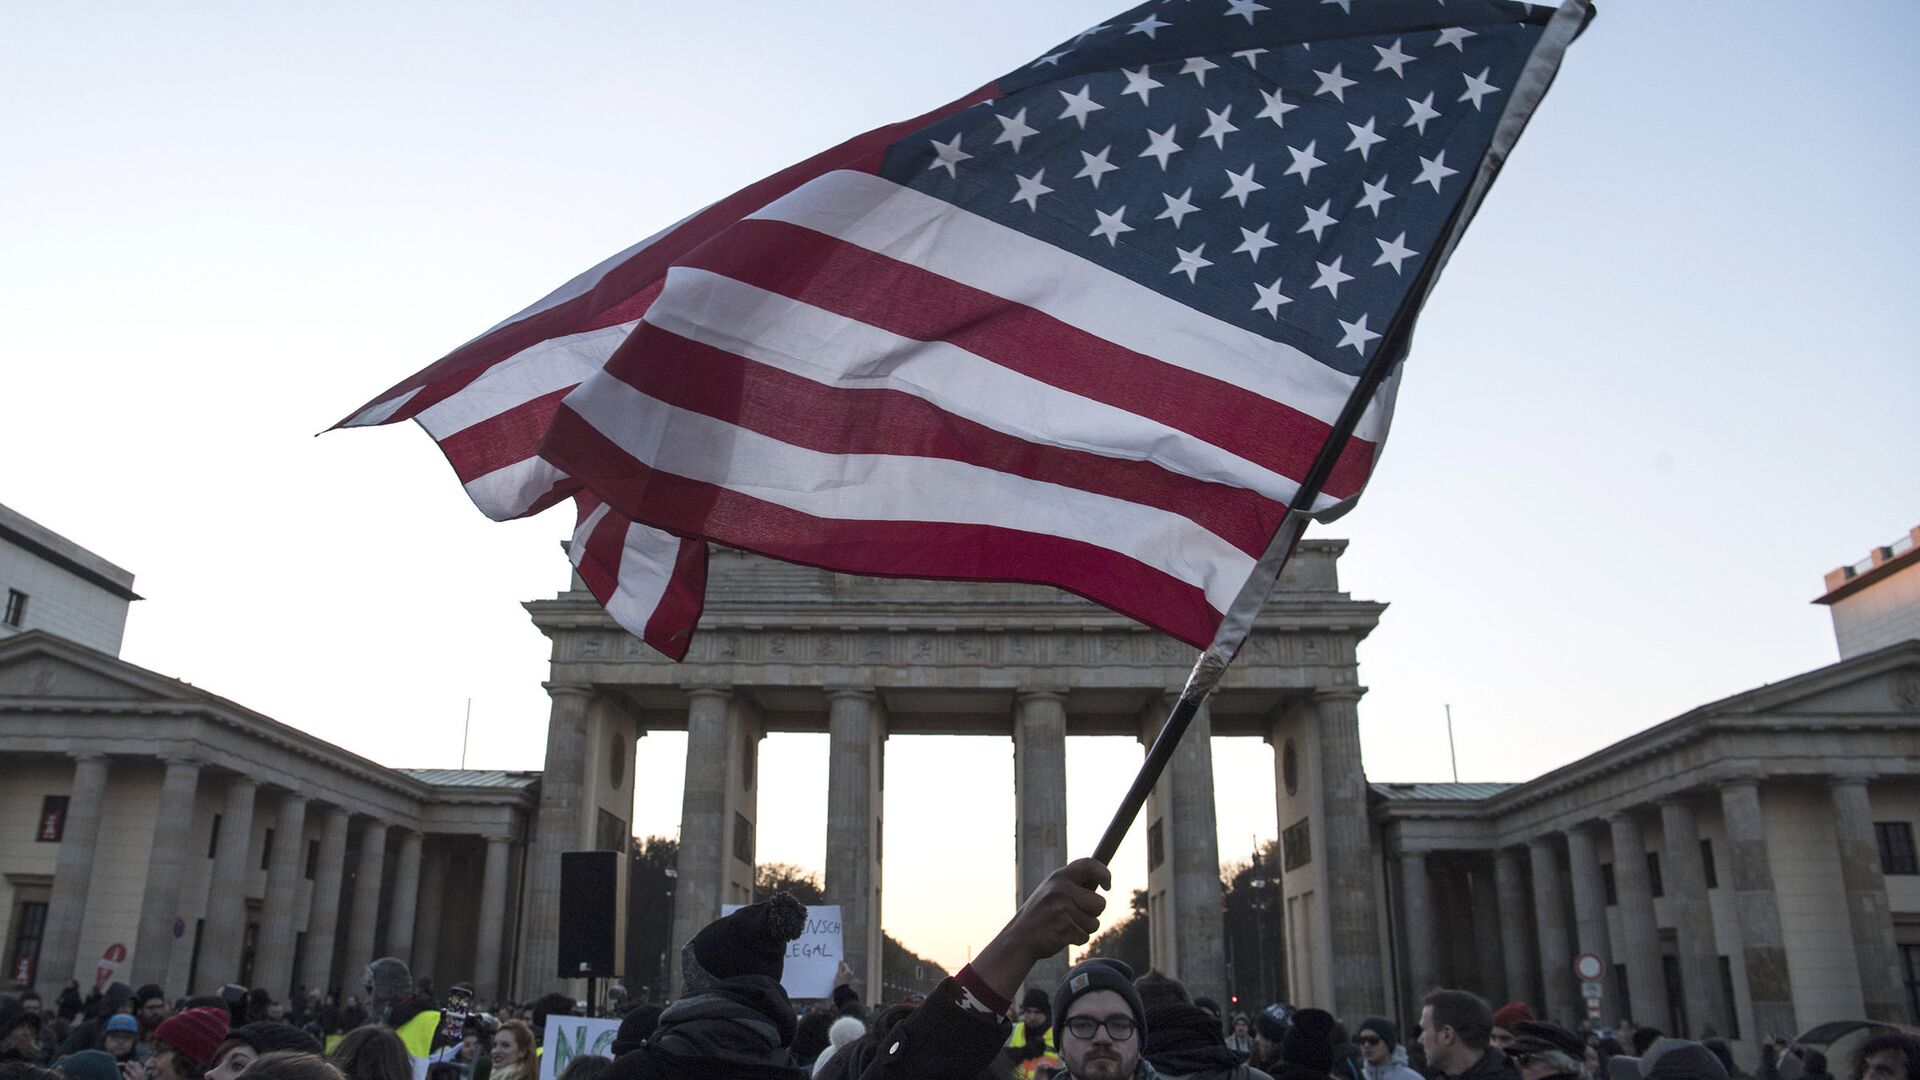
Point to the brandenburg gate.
(785, 648)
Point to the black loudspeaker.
(593, 909)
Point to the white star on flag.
(1096, 166)
(1080, 104)
(1160, 145)
(1014, 129)
(1140, 84)
(1198, 66)
(1190, 261)
(1276, 109)
(1177, 208)
(1394, 252)
(1331, 276)
(1318, 220)
(1364, 138)
(1111, 225)
(1392, 59)
(1357, 335)
(1150, 26)
(1333, 82)
(1433, 170)
(1245, 9)
(947, 155)
(1270, 298)
(1219, 127)
(1376, 193)
(1423, 111)
(1242, 185)
(1304, 162)
(1254, 241)
(1031, 189)
(1478, 87)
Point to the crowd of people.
(735, 1022)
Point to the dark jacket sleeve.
(939, 1041)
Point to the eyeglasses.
(1119, 1028)
(1370, 1040)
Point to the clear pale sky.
(1665, 384)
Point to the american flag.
(1087, 326)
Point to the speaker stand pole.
(593, 999)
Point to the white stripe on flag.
(511, 490)
(378, 412)
(881, 487)
(838, 351)
(582, 283)
(647, 561)
(935, 235)
(554, 364)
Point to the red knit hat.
(1512, 1013)
(195, 1033)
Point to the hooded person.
(19, 1032)
(735, 1021)
(250, 1041)
(1543, 1051)
(1681, 1059)
(1382, 1055)
(392, 1001)
(1184, 1041)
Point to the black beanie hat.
(1309, 1041)
(1099, 973)
(635, 1028)
(266, 1036)
(1272, 1023)
(751, 941)
(148, 992)
(1036, 998)
(1382, 1027)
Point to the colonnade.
(293, 940)
(1554, 889)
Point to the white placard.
(568, 1037)
(814, 957)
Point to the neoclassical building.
(1747, 866)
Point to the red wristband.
(975, 996)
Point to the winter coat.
(939, 1040)
(1493, 1065)
(1184, 1043)
(1395, 1069)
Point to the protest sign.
(568, 1037)
(812, 958)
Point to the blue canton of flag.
(1285, 166)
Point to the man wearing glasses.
(1102, 1023)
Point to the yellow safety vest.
(417, 1034)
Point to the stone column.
(1190, 944)
(1685, 873)
(1486, 929)
(225, 931)
(1351, 918)
(364, 919)
(1762, 942)
(73, 876)
(556, 829)
(1646, 981)
(406, 898)
(856, 741)
(1416, 900)
(430, 911)
(1040, 806)
(493, 920)
(323, 914)
(273, 963)
(1868, 912)
(1516, 944)
(160, 903)
(1590, 908)
(1550, 918)
(703, 824)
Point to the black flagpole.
(1206, 672)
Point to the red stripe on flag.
(670, 630)
(945, 551)
(502, 439)
(904, 299)
(800, 412)
(621, 288)
(599, 565)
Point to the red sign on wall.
(23, 970)
(53, 819)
